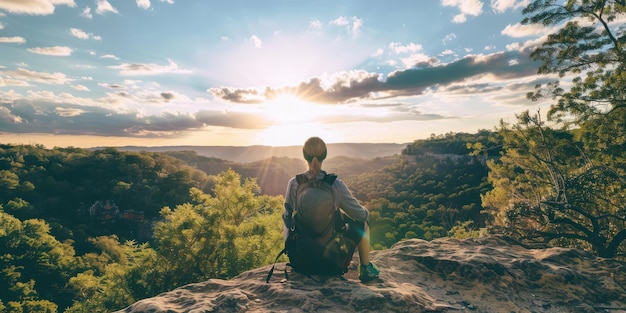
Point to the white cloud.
(13, 82)
(353, 25)
(418, 59)
(137, 69)
(459, 19)
(80, 87)
(86, 13)
(410, 48)
(103, 7)
(112, 86)
(447, 52)
(340, 21)
(519, 30)
(378, 52)
(357, 23)
(513, 62)
(68, 112)
(109, 56)
(168, 1)
(54, 51)
(256, 41)
(1, 26)
(528, 45)
(467, 7)
(80, 34)
(448, 38)
(40, 77)
(501, 6)
(144, 4)
(18, 40)
(34, 7)
(315, 25)
(7, 116)
(132, 82)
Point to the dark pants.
(356, 229)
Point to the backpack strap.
(328, 178)
(269, 274)
(301, 179)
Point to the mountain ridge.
(247, 154)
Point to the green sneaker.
(368, 272)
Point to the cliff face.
(446, 275)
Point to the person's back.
(316, 243)
(351, 219)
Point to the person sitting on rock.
(354, 214)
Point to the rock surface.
(492, 274)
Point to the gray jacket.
(343, 197)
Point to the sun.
(289, 109)
(293, 121)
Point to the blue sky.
(197, 72)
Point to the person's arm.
(348, 203)
(288, 208)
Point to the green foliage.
(547, 189)
(566, 186)
(20, 209)
(242, 227)
(120, 275)
(588, 42)
(213, 236)
(220, 235)
(451, 144)
(9, 180)
(465, 230)
(34, 265)
(62, 184)
(427, 191)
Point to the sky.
(264, 72)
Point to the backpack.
(316, 244)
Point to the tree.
(591, 42)
(563, 182)
(219, 235)
(546, 189)
(35, 266)
(589, 46)
(118, 276)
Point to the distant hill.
(247, 154)
(273, 173)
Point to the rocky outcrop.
(492, 274)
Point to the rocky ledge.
(494, 274)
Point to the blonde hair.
(314, 152)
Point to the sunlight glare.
(295, 120)
(288, 109)
(294, 134)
